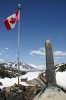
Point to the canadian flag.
(10, 22)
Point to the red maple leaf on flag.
(13, 20)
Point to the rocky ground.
(19, 92)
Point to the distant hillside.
(60, 67)
(23, 66)
(9, 72)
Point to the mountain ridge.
(23, 66)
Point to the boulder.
(22, 88)
(11, 89)
(7, 89)
(36, 91)
(15, 85)
(15, 89)
(2, 94)
(2, 98)
(1, 83)
(19, 91)
(3, 90)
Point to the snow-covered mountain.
(60, 73)
(23, 66)
(30, 67)
(1, 61)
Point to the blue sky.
(40, 20)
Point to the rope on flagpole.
(19, 7)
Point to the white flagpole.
(19, 7)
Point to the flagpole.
(19, 7)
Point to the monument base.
(51, 93)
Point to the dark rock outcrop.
(1, 83)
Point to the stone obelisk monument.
(50, 69)
(52, 92)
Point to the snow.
(33, 65)
(30, 75)
(9, 82)
(60, 79)
(38, 67)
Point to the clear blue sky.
(40, 20)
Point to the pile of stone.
(19, 92)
